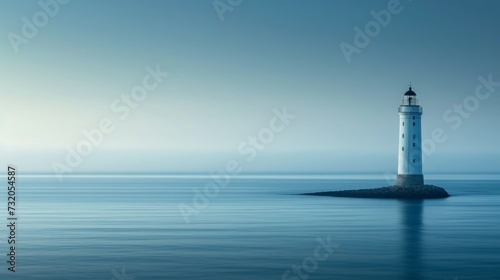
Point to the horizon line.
(256, 175)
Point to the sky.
(231, 68)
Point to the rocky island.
(397, 192)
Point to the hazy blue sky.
(226, 77)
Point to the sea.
(258, 227)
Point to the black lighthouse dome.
(410, 92)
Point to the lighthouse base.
(410, 180)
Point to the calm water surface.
(256, 228)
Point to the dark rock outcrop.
(398, 192)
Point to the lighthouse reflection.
(411, 223)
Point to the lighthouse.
(410, 142)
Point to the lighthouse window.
(413, 117)
(403, 123)
(413, 144)
(403, 149)
(403, 136)
(413, 161)
(413, 123)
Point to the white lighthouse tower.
(410, 142)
